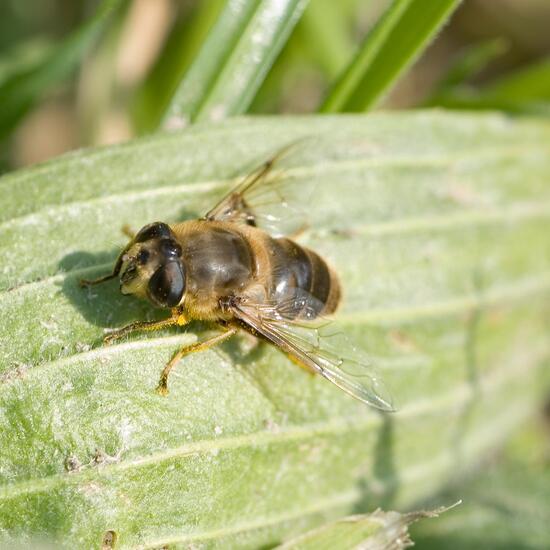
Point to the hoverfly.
(224, 268)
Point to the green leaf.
(325, 27)
(234, 60)
(526, 91)
(23, 55)
(472, 61)
(184, 41)
(379, 530)
(438, 227)
(21, 89)
(507, 507)
(401, 35)
(531, 83)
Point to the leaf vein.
(301, 171)
(449, 221)
(455, 398)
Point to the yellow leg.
(162, 387)
(300, 364)
(178, 318)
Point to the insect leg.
(127, 230)
(302, 365)
(90, 282)
(112, 275)
(162, 387)
(291, 356)
(177, 319)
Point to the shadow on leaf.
(102, 305)
(381, 490)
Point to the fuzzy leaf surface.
(438, 226)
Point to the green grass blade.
(24, 55)
(472, 61)
(525, 91)
(20, 91)
(531, 83)
(325, 29)
(440, 237)
(184, 41)
(234, 60)
(399, 37)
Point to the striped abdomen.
(295, 267)
(223, 259)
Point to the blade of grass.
(525, 91)
(20, 92)
(98, 80)
(472, 61)
(399, 37)
(184, 41)
(234, 60)
(528, 84)
(23, 55)
(324, 27)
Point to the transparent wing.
(295, 327)
(264, 198)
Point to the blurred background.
(114, 84)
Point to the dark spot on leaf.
(109, 540)
(72, 464)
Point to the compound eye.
(167, 285)
(143, 256)
(169, 249)
(155, 230)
